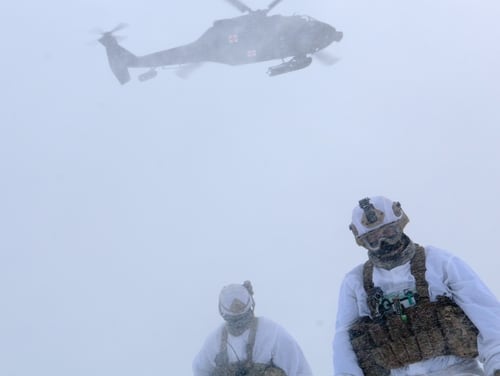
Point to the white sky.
(125, 209)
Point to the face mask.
(236, 325)
(391, 255)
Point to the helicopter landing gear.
(152, 73)
(296, 63)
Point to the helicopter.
(251, 38)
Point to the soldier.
(246, 345)
(411, 310)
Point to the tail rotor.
(118, 57)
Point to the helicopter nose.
(325, 35)
(335, 35)
(331, 34)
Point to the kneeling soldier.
(246, 345)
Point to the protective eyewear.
(391, 233)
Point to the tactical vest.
(243, 367)
(390, 340)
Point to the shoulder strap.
(368, 276)
(418, 270)
(221, 358)
(251, 340)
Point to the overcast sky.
(125, 209)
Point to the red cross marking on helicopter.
(251, 53)
(232, 38)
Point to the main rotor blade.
(273, 4)
(238, 4)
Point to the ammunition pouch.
(274, 371)
(246, 369)
(423, 331)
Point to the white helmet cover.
(234, 300)
(375, 212)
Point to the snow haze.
(125, 209)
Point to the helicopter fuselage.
(248, 39)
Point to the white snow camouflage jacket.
(272, 342)
(446, 275)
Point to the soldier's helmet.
(376, 220)
(236, 300)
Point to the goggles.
(390, 233)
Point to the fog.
(125, 209)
